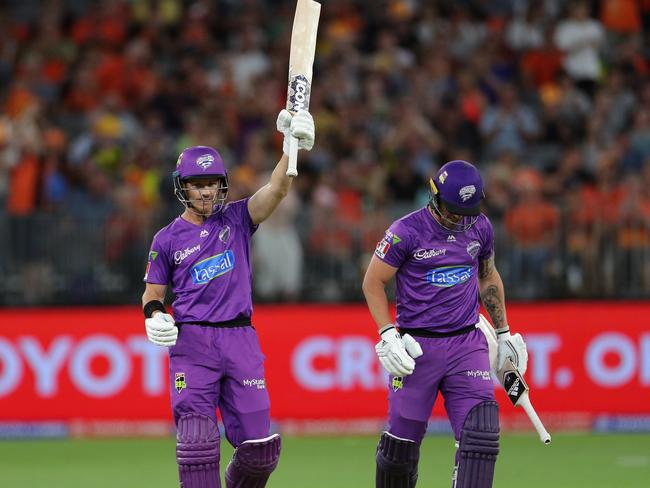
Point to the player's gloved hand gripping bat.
(511, 375)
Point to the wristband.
(385, 328)
(151, 306)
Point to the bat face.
(298, 93)
(513, 382)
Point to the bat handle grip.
(544, 436)
(292, 168)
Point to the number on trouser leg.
(397, 462)
(479, 446)
(253, 462)
(197, 452)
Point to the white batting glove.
(513, 347)
(412, 346)
(301, 126)
(161, 329)
(392, 353)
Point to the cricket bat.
(517, 389)
(301, 63)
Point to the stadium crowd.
(551, 100)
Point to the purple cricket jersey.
(437, 277)
(208, 266)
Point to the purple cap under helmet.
(198, 162)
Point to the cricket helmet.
(459, 186)
(198, 162)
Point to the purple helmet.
(200, 162)
(458, 184)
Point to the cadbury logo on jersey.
(208, 269)
(447, 276)
(421, 254)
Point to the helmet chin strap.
(450, 225)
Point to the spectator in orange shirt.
(532, 225)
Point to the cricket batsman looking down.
(442, 257)
(215, 357)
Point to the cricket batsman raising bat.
(215, 358)
(301, 61)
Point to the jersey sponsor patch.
(421, 254)
(447, 276)
(205, 271)
(179, 256)
(382, 248)
(146, 272)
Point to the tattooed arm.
(491, 291)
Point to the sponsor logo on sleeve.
(382, 248)
(205, 271)
(448, 276)
(153, 255)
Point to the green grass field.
(605, 461)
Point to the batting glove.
(392, 353)
(412, 346)
(513, 347)
(161, 329)
(301, 126)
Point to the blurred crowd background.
(550, 98)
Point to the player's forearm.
(280, 182)
(375, 294)
(266, 199)
(492, 295)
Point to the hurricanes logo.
(467, 192)
(179, 382)
(205, 161)
(398, 383)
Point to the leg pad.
(197, 452)
(479, 446)
(397, 462)
(253, 462)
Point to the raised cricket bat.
(517, 390)
(301, 63)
